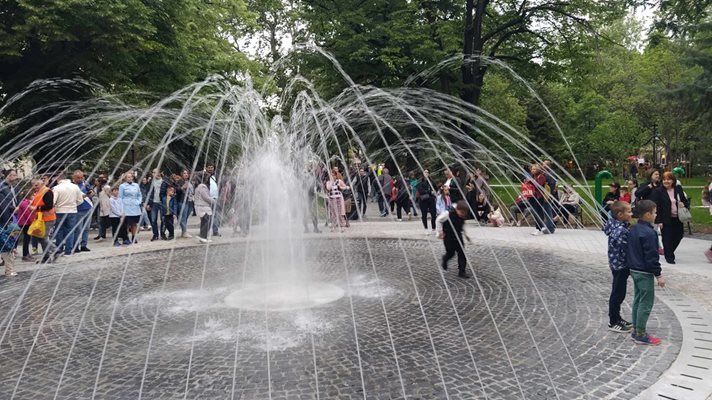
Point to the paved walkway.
(689, 292)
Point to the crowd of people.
(52, 215)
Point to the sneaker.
(117, 244)
(153, 239)
(537, 233)
(519, 223)
(463, 275)
(170, 238)
(202, 240)
(648, 340)
(546, 231)
(625, 323)
(186, 235)
(444, 266)
(84, 248)
(399, 219)
(410, 217)
(35, 251)
(619, 327)
(127, 242)
(427, 233)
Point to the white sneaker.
(202, 240)
(427, 233)
(536, 233)
(399, 219)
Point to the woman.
(482, 209)
(611, 197)
(131, 198)
(43, 201)
(538, 180)
(669, 198)
(632, 188)
(644, 192)
(569, 203)
(203, 206)
(186, 206)
(425, 192)
(337, 210)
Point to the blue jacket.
(8, 237)
(617, 232)
(643, 249)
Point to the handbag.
(37, 227)
(683, 214)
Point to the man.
(454, 182)
(84, 211)
(385, 184)
(67, 196)
(8, 197)
(214, 194)
(155, 199)
(361, 186)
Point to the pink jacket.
(25, 216)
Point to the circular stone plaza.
(174, 320)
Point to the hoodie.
(617, 232)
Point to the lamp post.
(655, 137)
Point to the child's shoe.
(619, 327)
(646, 339)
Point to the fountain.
(365, 313)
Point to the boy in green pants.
(644, 264)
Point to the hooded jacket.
(617, 232)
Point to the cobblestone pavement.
(155, 325)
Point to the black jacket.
(660, 196)
(453, 227)
(426, 190)
(644, 191)
(643, 249)
(8, 202)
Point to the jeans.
(64, 232)
(216, 218)
(155, 214)
(185, 212)
(618, 291)
(548, 214)
(428, 206)
(361, 202)
(643, 299)
(452, 247)
(537, 210)
(671, 234)
(81, 230)
(382, 204)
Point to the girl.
(25, 216)
(443, 203)
(337, 210)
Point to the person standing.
(131, 200)
(84, 212)
(43, 201)
(361, 186)
(104, 209)
(155, 201)
(170, 207)
(413, 181)
(644, 264)
(669, 198)
(403, 200)
(214, 190)
(616, 228)
(645, 191)
(384, 185)
(144, 220)
(536, 202)
(67, 196)
(453, 182)
(425, 192)
(203, 206)
(337, 210)
(450, 227)
(186, 207)
(8, 197)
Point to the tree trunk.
(473, 72)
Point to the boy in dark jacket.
(644, 264)
(616, 228)
(170, 209)
(450, 225)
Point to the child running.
(616, 228)
(644, 264)
(449, 226)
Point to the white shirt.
(67, 196)
(214, 189)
